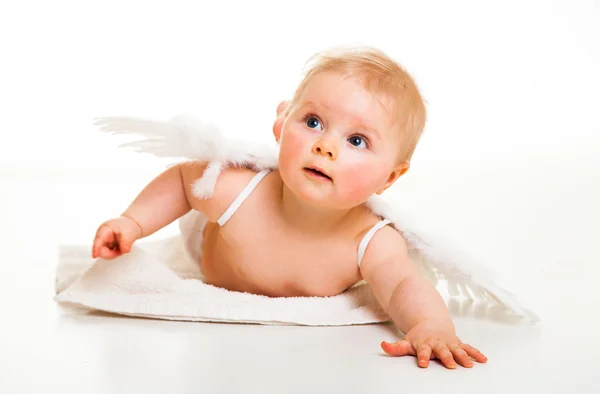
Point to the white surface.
(509, 166)
(46, 348)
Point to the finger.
(424, 355)
(103, 235)
(443, 353)
(400, 348)
(472, 352)
(125, 241)
(108, 254)
(461, 356)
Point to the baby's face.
(338, 146)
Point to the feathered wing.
(185, 137)
(189, 138)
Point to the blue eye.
(313, 122)
(358, 141)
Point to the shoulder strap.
(367, 238)
(241, 197)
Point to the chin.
(315, 198)
(309, 194)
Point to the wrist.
(437, 324)
(130, 218)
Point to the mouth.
(318, 173)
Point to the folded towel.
(159, 279)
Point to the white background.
(508, 166)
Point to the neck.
(304, 217)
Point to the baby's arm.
(413, 303)
(165, 199)
(160, 203)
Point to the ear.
(398, 171)
(281, 114)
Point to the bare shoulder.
(387, 243)
(386, 250)
(229, 183)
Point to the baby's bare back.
(257, 251)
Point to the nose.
(325, 148)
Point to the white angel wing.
(186, 137)
(189, 138)
(469, 291)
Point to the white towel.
(158, 279)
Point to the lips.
(318, 172)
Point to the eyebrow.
(313, 104)
(357, 122)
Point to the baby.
(304, 229)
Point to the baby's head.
(356, 117)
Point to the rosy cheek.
(359, 179)
(296, 135)
(292, 145)
(296, 140)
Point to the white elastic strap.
(367, 238)
(241, 197)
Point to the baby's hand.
(115, 237)
(426, 340)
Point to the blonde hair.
(379, 74)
